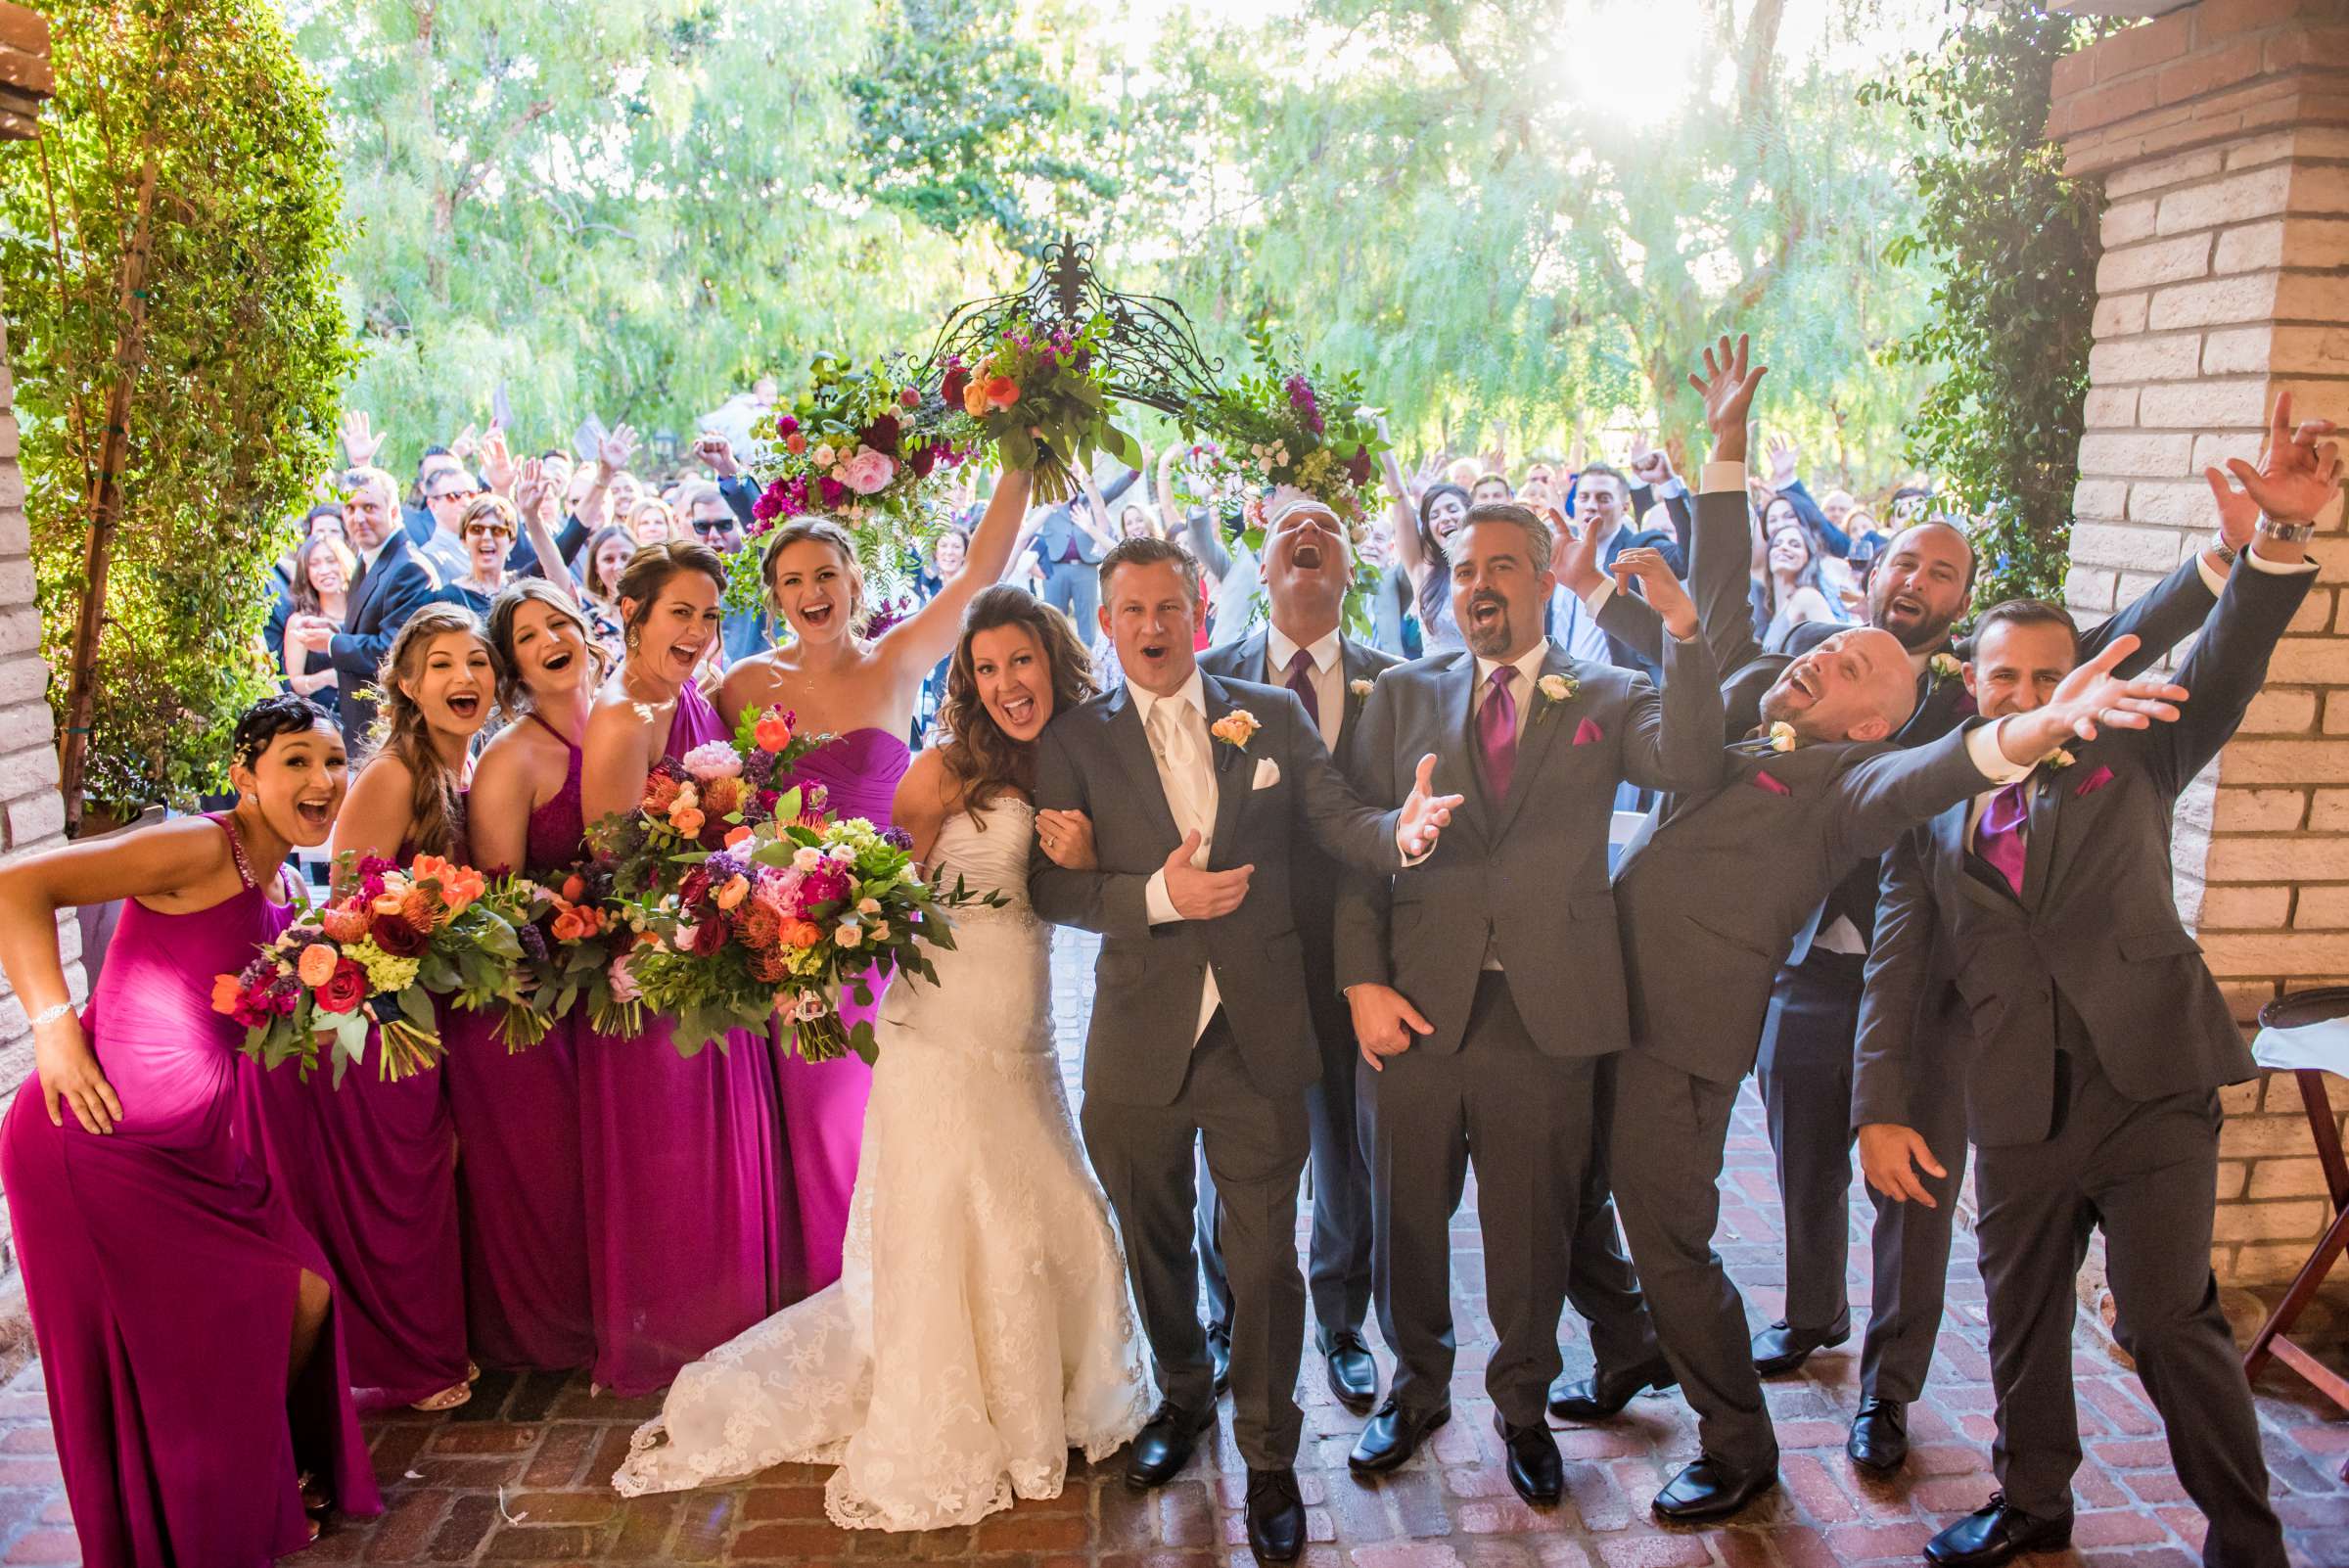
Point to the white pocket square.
(1268, 773)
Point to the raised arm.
(536, 500)
(1675, 740)
(1407, 552)
(928, 635)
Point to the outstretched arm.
(928, 635)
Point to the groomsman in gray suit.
(1197, 788)
(2097, 1043)
(1484, 981)
(1308, 565)
(1717, 885)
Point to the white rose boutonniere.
(1235, 728)
(2057, 760)
(1556, 691)
(1944, 667)
(1782, 737)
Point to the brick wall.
(2221, 133)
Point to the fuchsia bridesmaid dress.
(522, 1201)
(161, 1267)
(691, 1235)
(823, 1102)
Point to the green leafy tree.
(166, 248)
(2015, 245)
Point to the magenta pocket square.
(1770, 784)
(1587, 732)
(2095, 782)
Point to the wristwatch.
(2222, 549)
(2286, 532)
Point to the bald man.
(1717, 885)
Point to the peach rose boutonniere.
(1360, 688)
(1235, 728)
(1555, 692)
(1944, 667)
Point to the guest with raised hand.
(369, 1165)
(2098, 1041)
(982, 1328)
(664, 1134)
(191, 1346)
(489, 528)
(863, 694)
(1423, 529)
(519, 1185)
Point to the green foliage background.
(247, 355)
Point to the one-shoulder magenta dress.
(161, 1268)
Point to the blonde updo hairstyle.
(651, 570)
(823, 531)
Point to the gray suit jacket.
(2097, 924)
(1096, 759)
(1527, 875)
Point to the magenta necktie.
(1999, 836)
(1497, 734)
(1301, 682)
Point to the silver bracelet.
(50, 1015)
(2286, 532)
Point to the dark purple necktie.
(1497, 734)
(1999, 836)
(1301, 682)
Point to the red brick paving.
(521, 1474)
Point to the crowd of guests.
(226, 1265)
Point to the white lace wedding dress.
(981, 1326)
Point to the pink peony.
(869, 471)
(713, 759)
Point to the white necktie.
(1179, 766)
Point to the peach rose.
(1003, 391)
(802, 934)
(737, 888)
(687, 819)
(317, 965)
(738, 836)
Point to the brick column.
(2221, 133)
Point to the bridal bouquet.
(1042, 399)
(373, 956)
(859, 447)
(782, 923)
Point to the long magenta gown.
(823, 1102)
(161, 1268)
(690, 1235)
(370, 1169)
(521, 1202)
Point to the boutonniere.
(2057, 760)
(1235, 728)
(1556, 691)
(1945, 669)
(1360, 688)
(1782, 737)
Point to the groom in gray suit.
(1196, 786)
(1486, 980)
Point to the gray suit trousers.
(1256, 1148)
(1074, 588)
(1522, 1120)
(1600, 1284)
(2147, 1173)
(1671, 1133)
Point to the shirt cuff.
(1596, 599)
(1159, 903)
(1670, 488)
(1982, 747)
(2213, 579)
(1719, 476)
(1410, 861)
(2259, 563)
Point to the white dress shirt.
(1328, 677)
(1186, 772)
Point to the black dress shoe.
(1393, 1436)
(1352, 1375)
(1707, 1490)
(1275, 1515)
(1604, 1393)
(1218, 1352)
(1880, 1439)
(1163, 1446)
(1534, 1466)
(1997, 1534)
(1781, 1349)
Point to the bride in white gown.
(981, 1326)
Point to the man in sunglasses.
(448, 492)
(711, 520)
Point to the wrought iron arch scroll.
(1154, 355)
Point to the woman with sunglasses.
(487, 529)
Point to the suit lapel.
(1455, 732)
(2060, 796)
(1131, 747)
(371, 584)
(1541, 726)
(1355, 663)
(1234, 772)
(1254, 649)
(2038, 843)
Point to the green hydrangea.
(384, 973)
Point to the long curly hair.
(976, 751)
(401, 730)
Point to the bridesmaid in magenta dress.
(520, 1194)
(863, 693)
(370, 1165)
(192, 1356)
(691, 1233)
